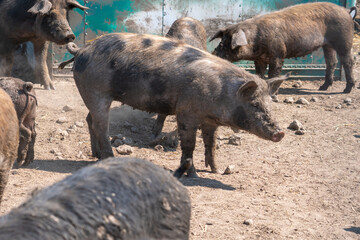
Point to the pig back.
(149, 72)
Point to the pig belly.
(304, 45)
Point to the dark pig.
(192, 32)
(166, 76)
(125, 198)
(24, 98)
(38, 21)
(9, 138)
(292, 32)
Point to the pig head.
(38, 21)
(293, 32)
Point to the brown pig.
(9, 138)
(192, 32)
(24, 98)
(38, 21)
(292, 32)
(166, 76)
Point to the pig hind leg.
(187, 128)
(209, 136)
(347, 63)
(159, 124)
(99, 124)
(260, 68)
(330, 59)
(25, 139)
(275, 67)
(95, 149)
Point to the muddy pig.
(166, 76)
(192, 32)
(292, 32)
(24, 98)
(118, 198)
(38, 21)
(9, 138)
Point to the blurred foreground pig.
(293, 32)
(166, 76)
(24, 98)
(37, 21)
(117, 198)
(192, 32)
(9, 139)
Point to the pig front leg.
(209, 138)
(187, 128)
(260, 68)
(41, 68)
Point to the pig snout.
(276, 137)
(69, 36)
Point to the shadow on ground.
(59, 166)
(135, 127)
(353, 229)
(205, 182)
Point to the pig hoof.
(215, 170)
(324, 87)
(348, 89)
(46, 87)
(52, 87)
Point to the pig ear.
(274, 83)
(41, 6)
(219, 34)
(75, 4)
(238, 39)
(247, 89)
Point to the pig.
(126, 198)
(292, 32)
(9, 138)
(38, 21)
(166, 76)
(24, 98)
(192, 32)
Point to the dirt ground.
(304, 187)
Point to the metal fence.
(156, 16)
